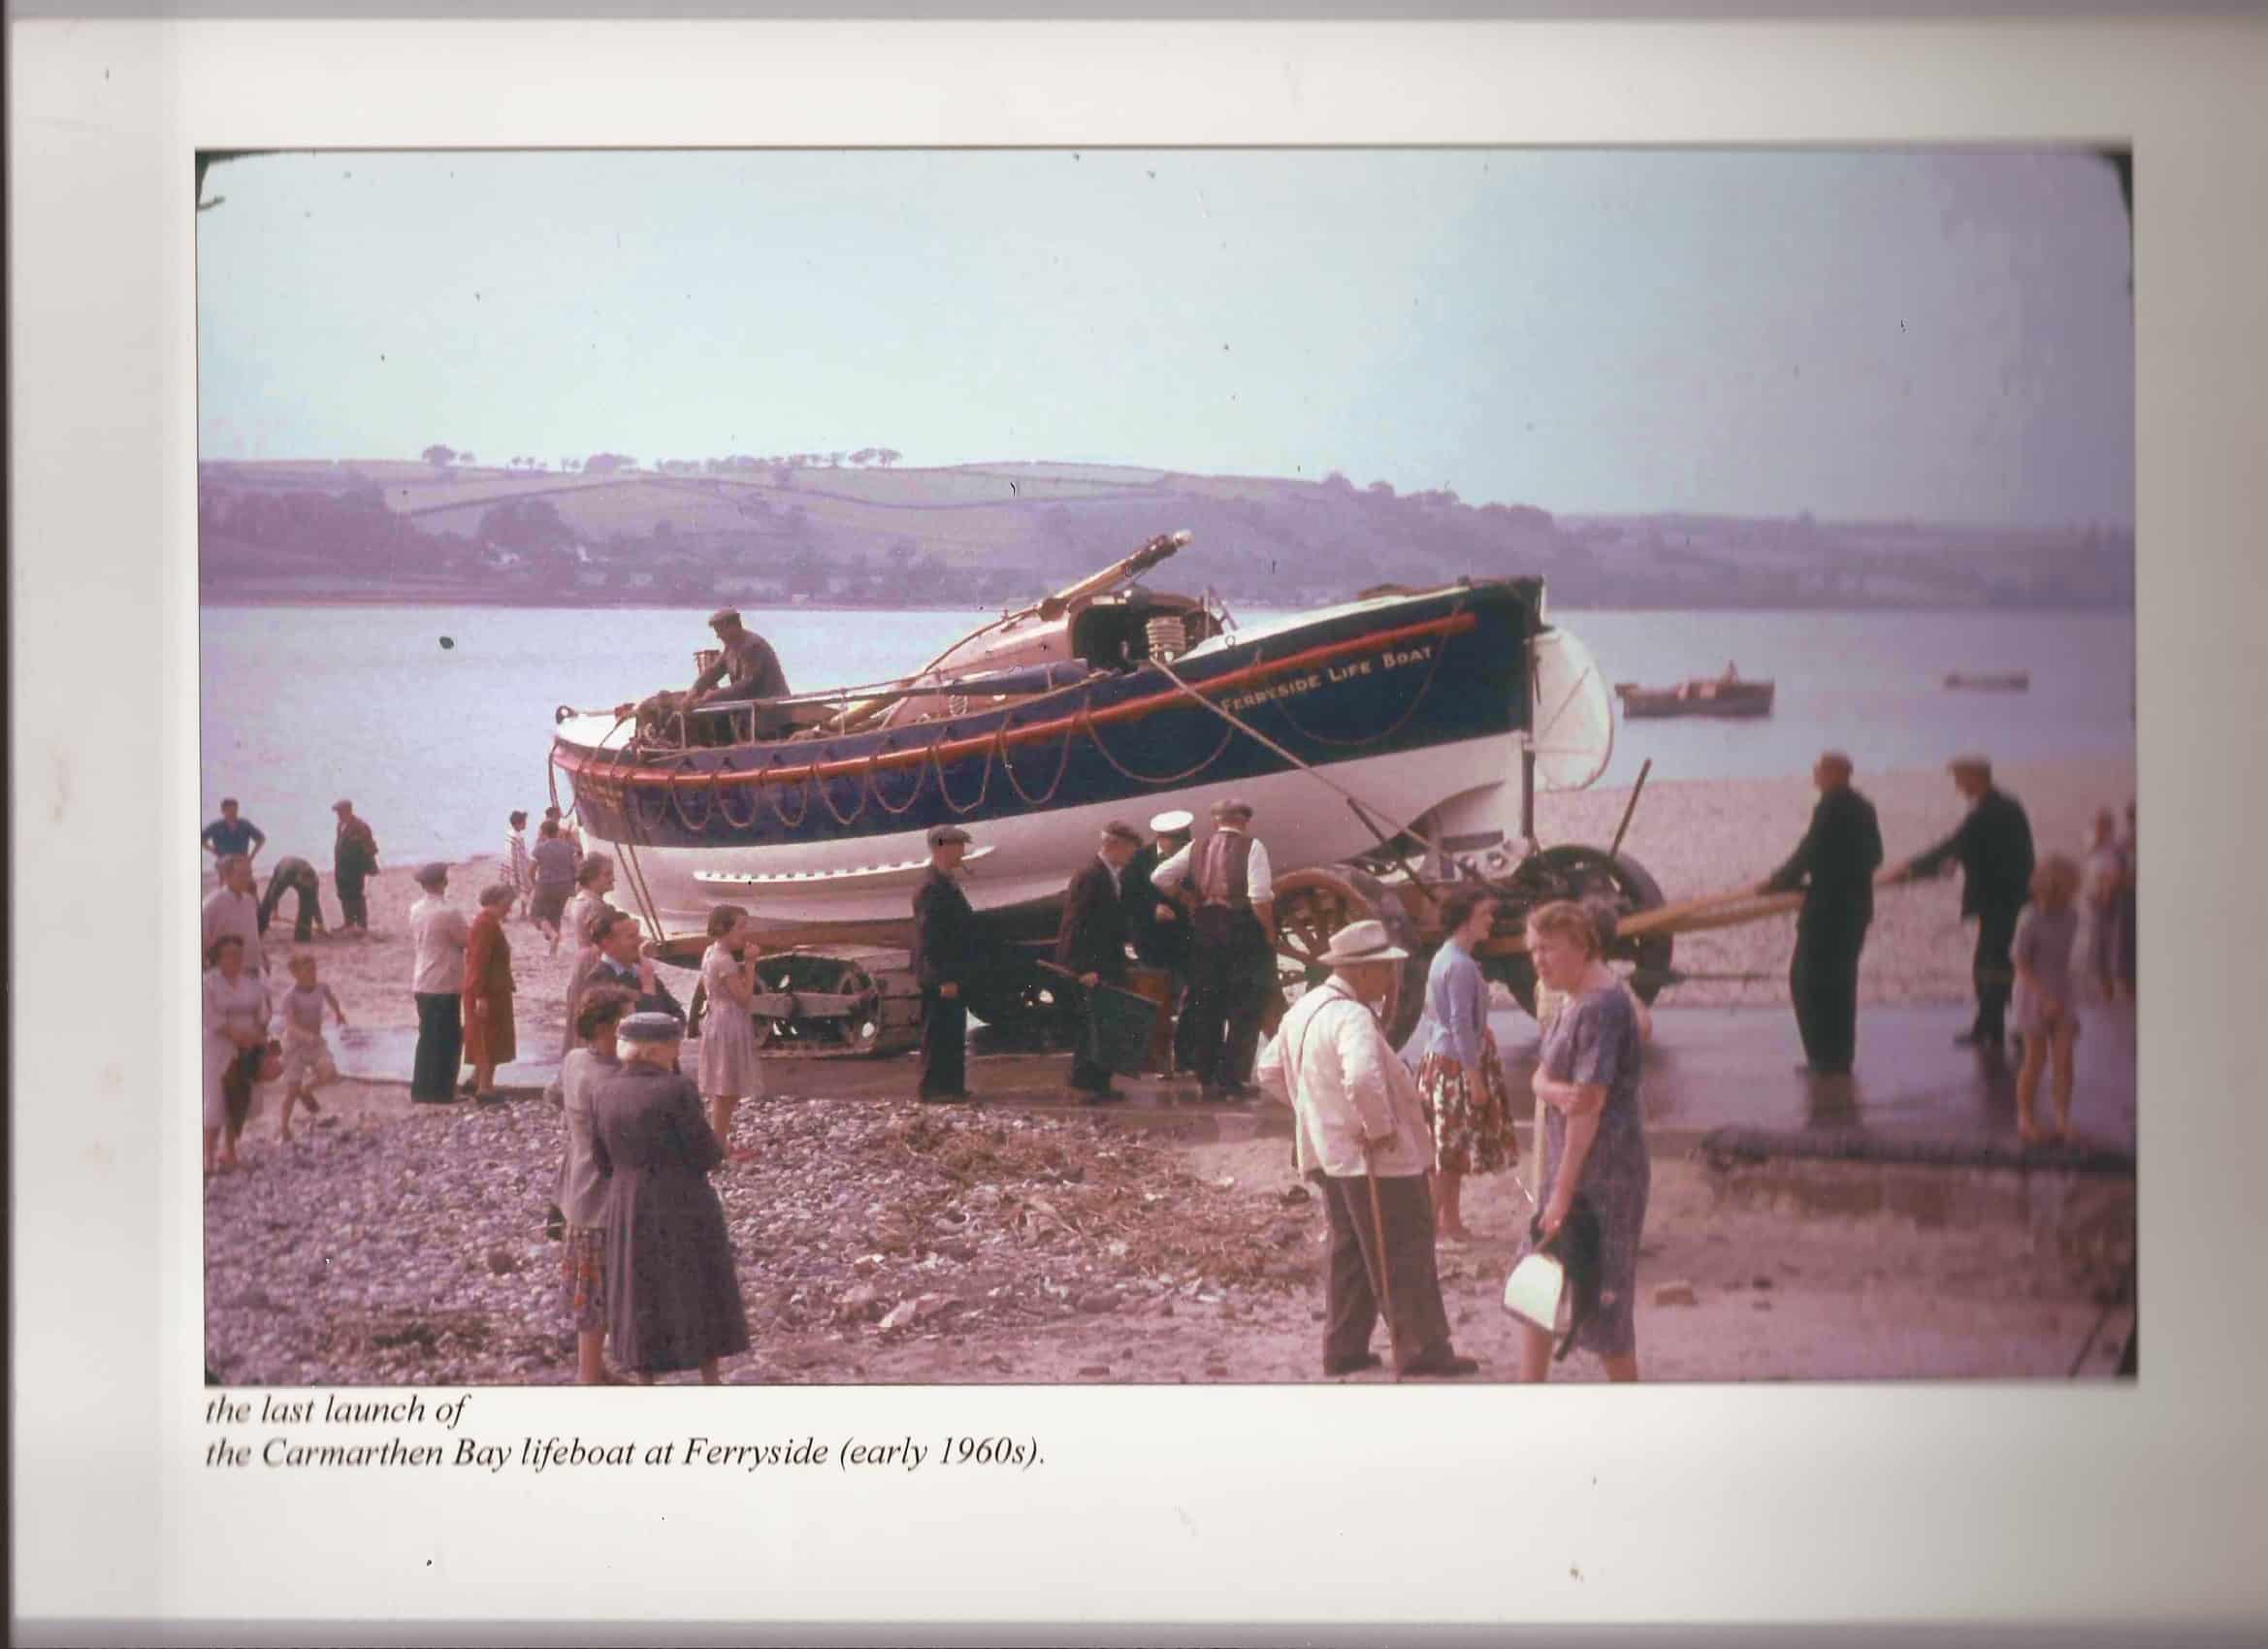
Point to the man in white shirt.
(1361, 1136)
(1234, 963)
(438, 934)
(232, 910)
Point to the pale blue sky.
(1947, 336)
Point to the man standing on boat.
(1994, 850)
(1834, 865)
(944, 958)
(1235, 936)
(746, 661)
(1091, 942)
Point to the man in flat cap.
(944, 958)
(1234, 932)
(746, 661)
(1995, 851)
(437, 935)
(1834, 865)
(1091, 942)
(354, 860)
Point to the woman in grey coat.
(672, 1298)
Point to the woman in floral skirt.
(1460, 1073)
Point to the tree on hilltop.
(439, 456)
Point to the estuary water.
(436, 744)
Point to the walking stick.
(1385, 1282)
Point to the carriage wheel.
(1312, 905)
(1588, 876)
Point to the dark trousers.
(1823, 982)
(1994, 970)
(441, 1044)
(1086, 1075)
(1419, 1331)
(1234, 972)
(352, 912)
(945, 1044)
(309, 914)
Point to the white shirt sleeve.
(1169, 875)
(1259, 885)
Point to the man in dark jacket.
(945, 959)
(1834, 865)
(1160, 923)
(1993, 848)
(293, 875)
(354, 860)
(1091, 942)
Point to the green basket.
(1118, 1027)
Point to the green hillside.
(871, 532)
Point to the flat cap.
(650, 1028)
(940, 834)
(1177, 822)
(432, 875)
(1117, 829)
(723, 614)
(343, 806)
(1232, 807)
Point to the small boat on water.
(1989, 681)
(1725, 696)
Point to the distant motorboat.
(1725, 696)
(1989, 681)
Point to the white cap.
(1171, 823)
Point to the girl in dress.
(2046, 1008)
(1460, 1073)
(237, 1013)
(673, 1297)
(730, 1071)
(489, 1040)
(306, 1058)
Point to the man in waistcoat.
(1834, 865)
(1995, 851)
(1234, 935)
(945, 959)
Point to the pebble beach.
(877, 1241)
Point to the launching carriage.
(1392, 745)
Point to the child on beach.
(2046, 1011)
(730, 1071)
(306, 1058)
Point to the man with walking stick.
(1361, 1138)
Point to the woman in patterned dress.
(489, 1039)
(1594, 1142)
(729, 1070)
(1460, 1073)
